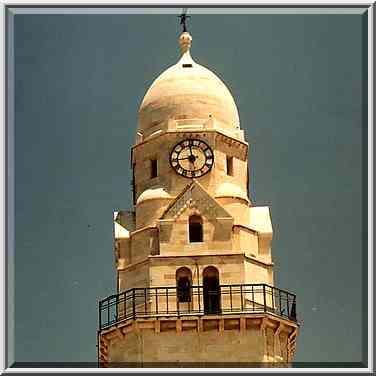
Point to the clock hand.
(189, 157)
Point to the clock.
(192, 158)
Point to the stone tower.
(193, 259)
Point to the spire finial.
(185, 42)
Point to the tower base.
(262, 340)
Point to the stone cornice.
(168, 132)
(257, 261)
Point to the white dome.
(152, 194)
(187, 90)
(230, 190)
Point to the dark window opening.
(230, 166)
(184, 290)
(195, 229)
(183, 285)
(153, 168)
(212, 290)
(187, 65)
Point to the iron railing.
(169, 301)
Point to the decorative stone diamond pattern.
(195, 196)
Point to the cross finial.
(183, 19)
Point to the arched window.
(212, 291)
(195, 229)
(183, 284)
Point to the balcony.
(159, 302)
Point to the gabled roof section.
(126, 218)
(194, 195)
(120, 230)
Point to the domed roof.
(152, 194)
(187, 90)
(230, 190)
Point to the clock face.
(192, 158)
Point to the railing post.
(253, 298)
(134, 303)
(145, 309)
(230, 299)
(220, 298)
(116, 307)
(288, 305)
(125, 304)
(100, 315)
(191, 306)
(263, 292)
(156, 300)
(108, 312)
(167, 298)
(199, 299)
(177, 301)
(241, 297)
(292, 314)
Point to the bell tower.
(193, 258)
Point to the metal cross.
(183, 19)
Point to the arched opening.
(212, 292)
(184, 284)
(195, 229)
